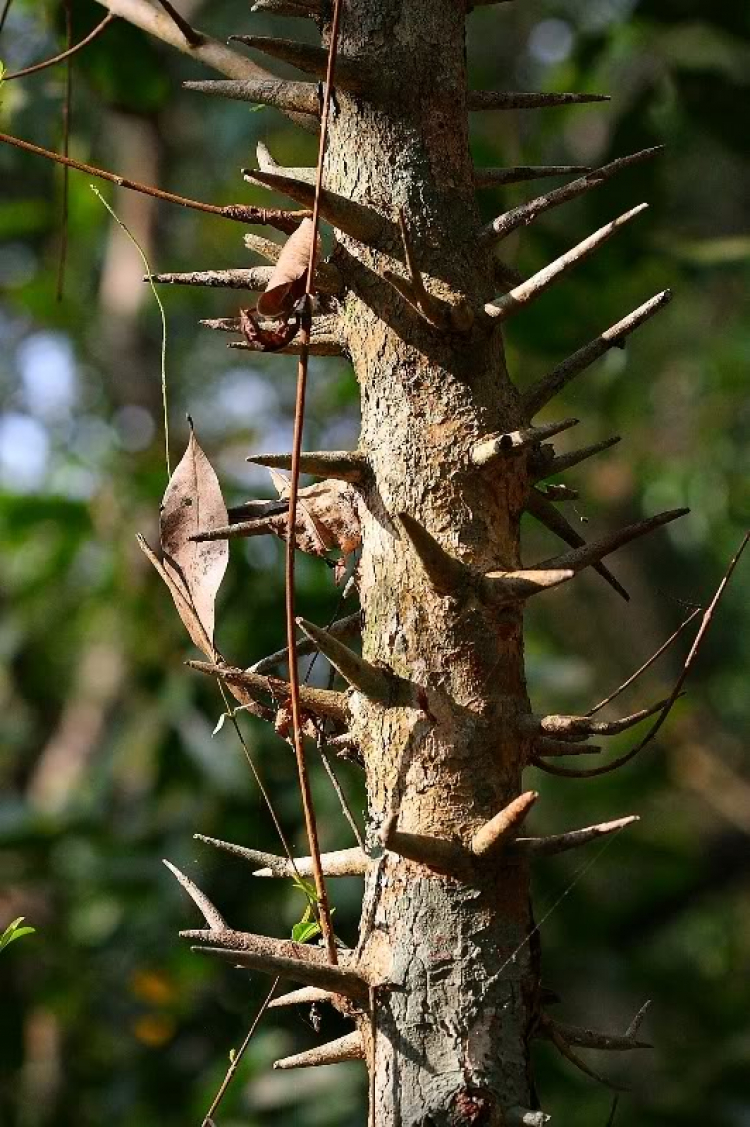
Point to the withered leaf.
(327, 516)
(182, 600)
(192, 502)
(264, 339)
(287, 282)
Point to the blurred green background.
(108, 762)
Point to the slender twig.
(70, 50)
(343, 801)
(237, 1057)
(299, 410)
(708, 614)
(283, 220)
(4, 16)
(66, 116)
(647, 664)
(193, 37)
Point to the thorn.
(349, 1047)
(345, 465)
(342, 628)
(514, 100)
(283, 957)
(255, 279)
(546, 513)
(282, 94)
(210, 913)
(540, 393)
(576, 727)
(515, 586)
(449, 576)
(637, 1022)
(547, 746)
(321, 702)
(498, 177)
(308, 58)
(496, 446)
(561, 843)
(447, 857)
(253, 856)
(266, 163)
(592, 1039)
(441, 314)
(305, 996)
(536, 285)
(562, 462)
(267, 248)
(491, 838)
(340, 863)
(354, 219)
(306, 9)
(374, 683)
(527, 212)
(565, 1050)
(595, 550)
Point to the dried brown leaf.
(193, 502)
(327, 516)
(263, 339)
(182, 600)
(287, 282)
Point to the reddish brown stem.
(299, 412)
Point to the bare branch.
(209, 911)
(547, 746)
(321, 702)
(540, 393)
(582, 726)
(565, 1050)
(592, 1039)
(495, 446)
(349, 1047)
(515, 100)
(527, 212)
(538, 283)
(92, 35)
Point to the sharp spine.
(595, 550)
(253, 856)
(305, 996)
(339, 863)
(562, 462)
(498, 177)
(282, 94)
(343, 628)
(283, 957)
(547, 514)
(349, 1047)
(449, 576)
(322, 702)
(374, 683)
(517, 100)
(592, 1039)
(266, 163)
(527, 212)
(538, 283)
(561, 843)
(496, 446)
(354, 219)
(209, 911)
(537, 396)
(345, 465)
(308, 58)
(516, 586)
(492, 838)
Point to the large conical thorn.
(561, 843)
(308, 58)
(345, 465)
(561, 462)
(516, 100)
(374, 683)
(492, 838)
(209, 911)
(348, 627)
(354, 219)
(520, 173)
(305, 996)
(349, 1047)
(282, 94)
(596, 550)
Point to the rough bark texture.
(451, 1032)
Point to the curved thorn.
(538, 283)
(345, 465)
(540, 393)
(321, 702)
(561, 843)
(374, 683)
(492, 838)
(527, 212)
(496, 446)
(282, 94)
(595, 550)
(547, 514)
(349, 1047)
(209, 911)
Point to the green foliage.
(14, 931)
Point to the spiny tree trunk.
(444, 985)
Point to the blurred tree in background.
(108, 760)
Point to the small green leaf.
(14, 931)
(305, 930)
